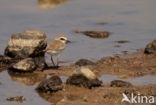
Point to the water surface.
(10, 88)
(137, 81)
(132, 20)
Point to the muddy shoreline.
(124, 66)
(72, 95)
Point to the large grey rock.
(82, 81)
(53, 84)
(151, 48)
(28, 44)
(25, 65)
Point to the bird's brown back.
(55, 46)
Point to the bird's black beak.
(68, 41)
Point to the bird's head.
(63, 39)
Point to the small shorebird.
(56, 47)
(84, 70)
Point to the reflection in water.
(46, 4)
(52, 97)
(27, 79)
(2, 68)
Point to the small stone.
(95, 34)
(85, 99)
(120, 83)
(151, 48)
(122, 41)
(25, 65)
(102, 23)
(53, 84)
(82, 81)
(87, 72)
(84, 62)
(16, 98)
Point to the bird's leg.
(57, 60)
(52, 61)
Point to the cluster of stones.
(26, 49)
(54, 83)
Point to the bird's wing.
(55, 45)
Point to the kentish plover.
(56, 47)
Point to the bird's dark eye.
(62, 39)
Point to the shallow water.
(137, 81)
(25, 86)
(132, 20)
(10, 88)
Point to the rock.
(151, 48)
(16, 98)
(87, 72)
(101, 23)
(53, 84)
(82, 81)
(95, 34)
(28, 44)
(120, 83)
(122, 41)
(84, 62)
(25, 65)
(5, 61)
